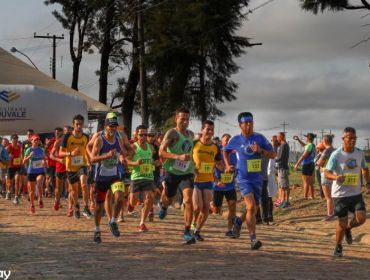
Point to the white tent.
(31, 99)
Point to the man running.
(250, 147)
(176, 150)
(206, 155)
(107, 152)
(142, 177)
(74, 150)
(346, 165)
(14, 168)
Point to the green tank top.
(144, 170)
(183, 146)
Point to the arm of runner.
(129, 158)
(90, 144)
(54, 150)
(95, 152)
(127, 145)
(228, 167)
(168, 141)
(27, 156)
(263, 151)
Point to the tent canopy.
(14, 71)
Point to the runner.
(206, 155)
(175, 151)
(142, 177)
(225, 187)
(74, 150)
(34, 156)
(327, 184)
(250, 146)
(308, 165)
(60, 170)
(344, 167)
(4, 159)
(51, 164)
(107, 151)
(14, 168)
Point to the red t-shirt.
(15, 153)
(48, 151)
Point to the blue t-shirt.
(36, 163)
(249, 163)
(218, 172)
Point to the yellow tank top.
(204, 157)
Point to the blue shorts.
(204, 185)
(251, 187)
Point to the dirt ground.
(50, 245)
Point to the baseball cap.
(35, 137)
(111, 119)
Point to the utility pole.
(322, 134)
(54, 37)
(284, 124)
(143, 92)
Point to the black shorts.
(218, 197)
(101, 189)
(50, 171)
(12, 171)
(74, 177)
(343, 205)
(173, 182)
(141, 185)
(308, 169)
(23, 171)
(61, 175)
(33, 177)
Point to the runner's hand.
(75, 152)
(184, 157)
(139, 162)
(256, 148)
(229, 169)
(340, 178)
(112, 153)
(220, 184)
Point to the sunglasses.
(142, 134)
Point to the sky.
(305, 74)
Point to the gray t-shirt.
(264, 167)
(349, 165)
(282, 157)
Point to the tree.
(191, 47)
(76, 14)
(335, 5)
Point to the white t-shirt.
(349, 165)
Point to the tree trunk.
(203, 110)
(75, 74)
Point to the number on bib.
(227, 178)
(37, 164)
(77, 160)
(206, 167)
(17, 161)
(351, 179)
(146, 168)
(181, 165)
(254, 165)
(117, 186)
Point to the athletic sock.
(112, 220)
(253, 237)
(97, 228)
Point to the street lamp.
(14, 50)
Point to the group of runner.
(112, 172)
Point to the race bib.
(227, 178)
(77, 160)
(37, 164)
(16, 161)
(109, 168)
(254, 165)
(181, 165)
(350, 179)
(206, 168)
(117, 186)
(146, 168)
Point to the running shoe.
(130, 208)
(114, 229)
(230, 234)
(69, 212)
(86, 212)
(143, 228)
(32, 209)
(188, 238)
(162, 212)
(56, 205)
(121, 220)
(338, 251)
(237, 226)
(97, 237)
(8, 196)
(41, 204)
(197, 236)
(76, 213)
(16, 200)
(348, 236)
(151, 216)
(256, 244)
